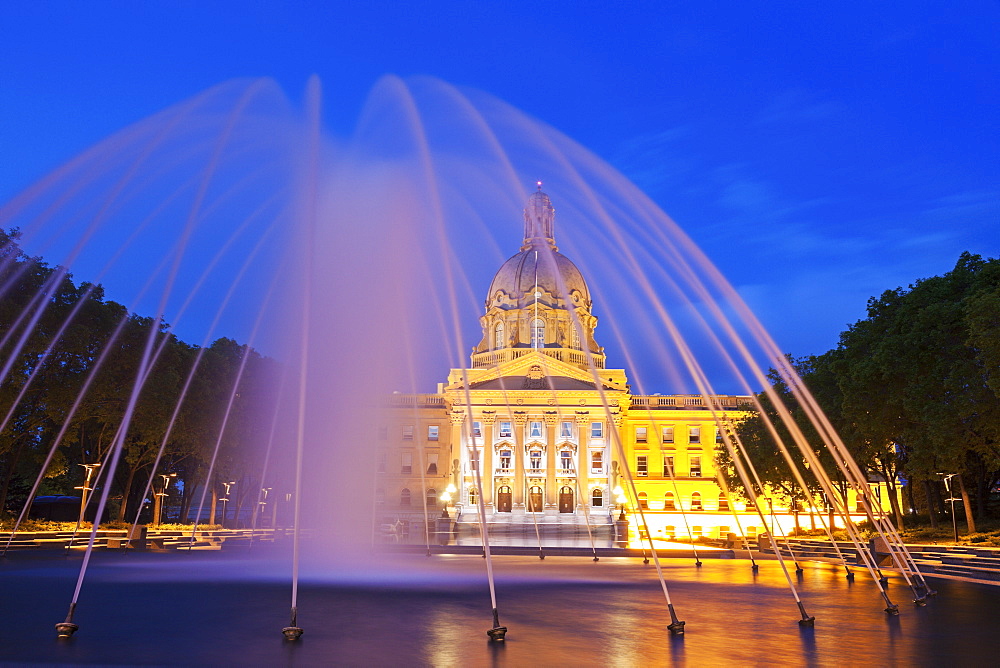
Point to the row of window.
(433, 432)
(535, 459)
(406, 463)
(670, 503)
(534, 429)
(537, 335)
(642, 466)
(534, 497)
(667, 435)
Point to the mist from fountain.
(358, 263)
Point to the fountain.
(358, 264)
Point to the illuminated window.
(432, 497)
(643, 502)
(668, 434)
(432, 463)
(535, 459)
(596, 461)
(575, 340)
(597, 498)
(597, 430)
(406, 463)
(718, 435)
(694, 434)
(668, 501)
(404, 497)
(566, 460)
(668, 466)
(640, 434)
(534, 429)
(537, 333)
(432, 432)
(505, 430)
(642, 466)
(477, 429)
(695, 468)
(565, 430)
(498, 341)
(473, 496)
(723, 501)
(505, 456)
(696, 501)
(408, 432)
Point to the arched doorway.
(534, 499)
(504, 499)
(566, 499)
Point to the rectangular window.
(380, 462)
(642, 466)
(640, 434)
(668, 466)
(383, 433)
(505, 457)
(408, 432)
(597, 430)
(565, 430)
(718, 435)
(535, 460)
(477, 429)
(668, 434)
(432, 463)
(694, 434)
(695, 467)
(566, 460)
(505, 430)
(432, 432)
(474, 459)
(406, 463)
(535, 430)
(596, 461)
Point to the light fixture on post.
(161, 497)
(951, 500)
(225, 500)
(86, 488)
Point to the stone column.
(583, 455)
(519, 419)
(488, 419)
(551, 417)
(457, 447)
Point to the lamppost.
(262, 504)
(620, 500)
(161, 497)
(952, 499)
(225, 500)
(446, 497)
(85, 488)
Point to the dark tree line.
(914, 392)
(72, 360)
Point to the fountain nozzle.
(292, 632)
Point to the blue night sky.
(818, 152)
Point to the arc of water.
(497, 632)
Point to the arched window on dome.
(498, 340)
(575, 335)
(537, 333)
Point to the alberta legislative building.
(546, 434)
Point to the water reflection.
(435, 611)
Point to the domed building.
(546, 437)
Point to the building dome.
(538, 300)
(543, 269)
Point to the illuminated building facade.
(546, 434)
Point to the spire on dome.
(539, 220)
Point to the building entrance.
(535, 500)
(504, 499)
(566, 499)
